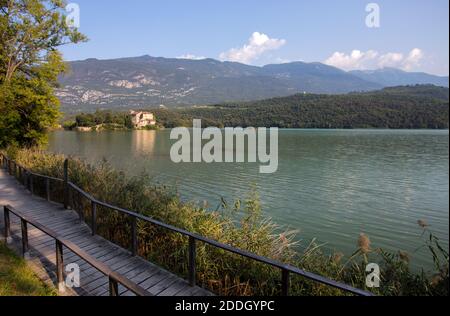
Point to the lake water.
(330, 184)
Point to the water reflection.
(142, 143)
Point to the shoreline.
(280, 128)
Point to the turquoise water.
(330, 185)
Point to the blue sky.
(413, 34)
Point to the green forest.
(406, 107)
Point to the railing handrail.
(286, 268)
(100, 266)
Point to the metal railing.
(114, 278)
(286, 270)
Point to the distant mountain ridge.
(150, 81)
(389, 77)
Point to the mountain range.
(151, 81)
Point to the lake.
(331, 184)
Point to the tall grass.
(241, 225)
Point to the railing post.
(47, 188)
(133, 236)
(59, 265)
(66, 184)
(31, 183)
(7, 225)
(80, 207)
(20, 175)
(27, 180)
(113, 287)
(192, 255)
(94, 218)
(15, 170)
(71, 202)
(25, 247)
(284, 282)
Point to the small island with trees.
(107, 120)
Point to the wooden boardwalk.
(66, 223)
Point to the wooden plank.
(134, 265)
(201, 292)
(73, 231)
(154, 279)
(57, 224)
(188, 291)
(70, 254)
(105, 254)
(162, 284)
(43, 244)
(175, 287)
(136, 272)
(94, 283)
(92, 270)
(87, 267)
(144, 276)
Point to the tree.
(85, 120)
(31, 31)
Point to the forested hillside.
(422, 106)
(400, 107)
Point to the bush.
(69, 125)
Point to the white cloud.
(355, 60)
(191, 56)
(372, 59)
(413, 60)
(257, 45)
(390, 60)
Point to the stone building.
(142, 119)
